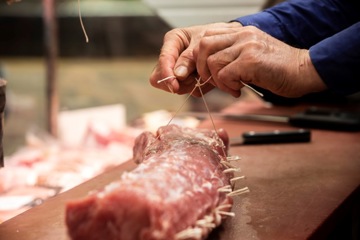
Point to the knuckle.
(254, 43)
(251, 30)
(170, 34)
(222, 75)
(177, 33)
(204, 44)
(211, 61)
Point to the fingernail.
(181, 71)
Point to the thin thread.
(182, 105)
(177, 111)
(186, 99)
(207, 109)
(197, 85)
(82, 24)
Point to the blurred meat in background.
(112, 69)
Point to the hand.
(247, 54)
(176, 59)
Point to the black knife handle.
(300, 135)
(327, 119)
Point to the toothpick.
(165, 79)
(205, 224)
(226, 188)
(238, 192)
(236, 179)
(230, 214)
(231, 170)
(195, 233)
(233, 158)
(227, 164)
(253, 89)
(224, 206)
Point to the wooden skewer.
(253, 89)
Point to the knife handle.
(327, 119)
(300, 135)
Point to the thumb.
(185, 65)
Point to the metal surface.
(237, 117)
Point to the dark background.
(109, 36)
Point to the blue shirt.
(330, 29)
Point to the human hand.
(176, 59)
(235, 55)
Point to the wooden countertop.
(297, 190)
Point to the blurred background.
(101, 88)
(125, 37)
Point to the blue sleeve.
(302, 23)
(337, 60)
(330, 29)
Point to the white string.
(208, 224)
(178, 110)
(82, 24)
(208, 110)
(246, 85)
(182, 105)
(198, 85)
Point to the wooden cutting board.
(297, 190)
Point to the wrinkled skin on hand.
(231, 54)
(177, 59)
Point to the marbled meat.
(173, 193)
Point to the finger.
(172, 51)
(187, 85)
(214, 41)
(163, 80)
(229, 78)
(185, 65)
(190, 85)
(216, 62)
